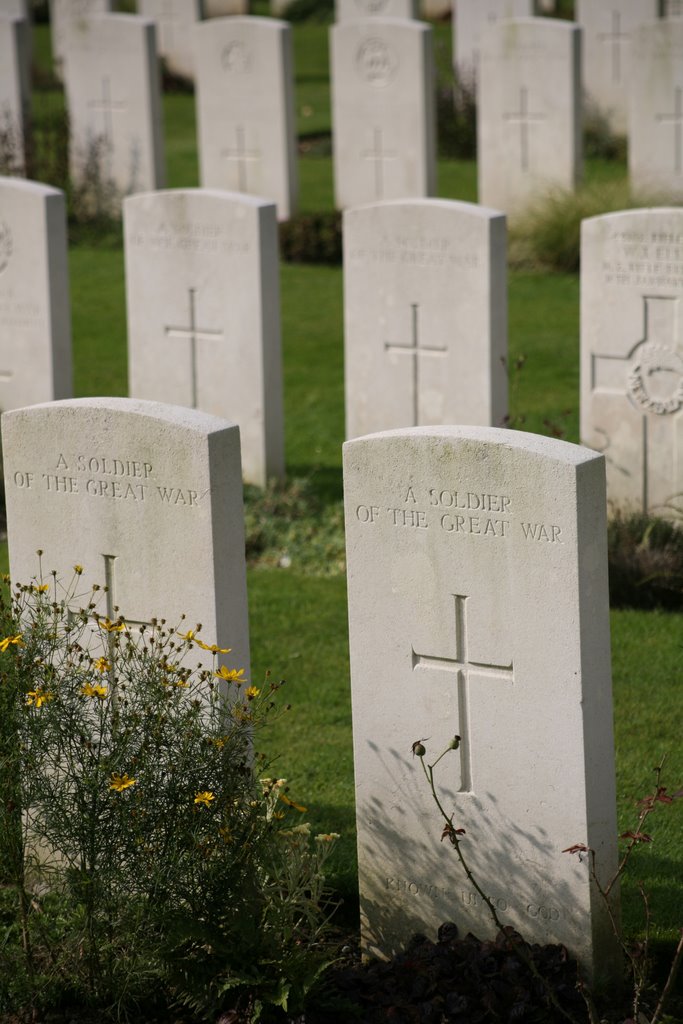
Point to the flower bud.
(454, 744)
(419, 750)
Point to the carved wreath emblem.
(6, 244)
(655, 379)
(375, 62)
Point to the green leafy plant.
(645, 556)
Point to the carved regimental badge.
(6, 245)
(655, 379)
(236, 58)
(375, 62)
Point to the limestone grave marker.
(655, 148)
(15, 92)
(146, 497)
(469, 551)
(175, 21)
(35, 317)
(673, 9)
(382, 80)
(425, 315)
(203, 301)
(632, 352)
(351, 10)
(470, 18)
(224, 8)
(437, 8)
(528, 136)
(114, 101)
(245, 109)
(66, 14)
(607, 30)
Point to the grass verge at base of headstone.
(645, 562)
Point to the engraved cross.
(524, 118)
(676, 119)
(108, 107)
(461, 666)
(242, 156)
(415, 350)
(193, 334)
(616, 37)
(378, 155)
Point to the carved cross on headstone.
(107, 106)
(193, 334)
(378, 155)
(524, 118)
(616, 37)
(415, 350)
(461, 667)
(242, 157)
(676, 119)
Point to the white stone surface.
(175, 21)
(655, 144)
(382, 81)
(478, 607)
(425, 315)
(224, 8)
(673, 9)
(245, 109)
(351, 10)
(35, 318)
(607, 27)
(64, 14)
(114, 100)
(147, 498)
(469, 19)
(528, 135)
(15, 92)
(203, 298)
(436, 8)
(632, 352)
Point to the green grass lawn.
(298, 615)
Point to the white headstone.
(146, 497)
(15, 93)
(245, 109)
(632, 352)
(529, 136)
(203, 297)
(114, 101)
(175, 21)
(425, 315)
(673, 8)
(382, 110)
(351, 10)
(478, 607)
(35, 318)
(65, 14)
(470, 18)
(655, 144)
(437, 8)
(607, 27)
(224, 8)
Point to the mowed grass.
(298, 622)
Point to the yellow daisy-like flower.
(41, 588)
(78, 569)
(290, 803)
(112, 627)
(8, 640)
(214, 648)
(205, 797)
(94, 690)
(189, 636)
(101, 664)
(251, 692)
(38, 697)
(121, 782)
(231, 675)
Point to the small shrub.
(310, 10)
(645, 561)
(312, 238)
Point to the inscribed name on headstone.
(147, 498)
(470, 18)
(382, 80)
(113, 96)
(528, 136)
(203, 298)
(245, 109)
(35, 317)
(425, 315)
(632, 353)
(607, 28)
(15, 93)
(65, 14)
(478, 608)
(175, 21)
(350, 10)
(655, 143)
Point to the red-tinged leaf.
(577, 848)
(662, 796)
(637, 837)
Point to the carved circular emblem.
(371, 6)
(6, 245)
(236, 57)
(655, 379)
(375, 62)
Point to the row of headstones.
(478, 607)
(425, 321)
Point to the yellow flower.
(251, 692)
(189, 636)
(205, 797)
(219, 742)
(112, 627)
(121, 782)
(41, 589)
(78, 569)
(290, 803)
(38, 697)
(327, 837)
(231, 675)
(102, 665)
(94, 690)
(214, 648)
(16, 639)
